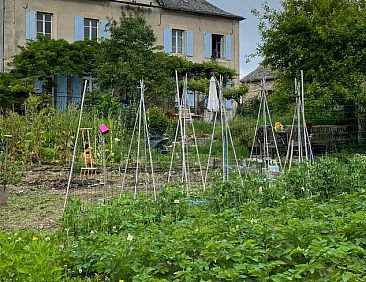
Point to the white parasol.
(213, 101)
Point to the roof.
(258, 74)
(202, 7)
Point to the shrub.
(157, 120)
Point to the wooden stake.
(4, 192)
(104, 169)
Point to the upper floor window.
(217, 46)
(177, 41)
(90, 29)
(44, 24)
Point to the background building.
(196, 29)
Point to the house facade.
(255, 81)
(193, 29)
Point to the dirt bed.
(37, 202)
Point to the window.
(92, 83)
(44, 24)
(217, 46)
(90, 29)
(177, 41)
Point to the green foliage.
(13, 90)
(29, 257)
(158, 121)
(325, 179)
(324, 38)
(233, 194)
(130, 55)
(236, 94)
(42, 59)
(200, 74)
(238, 232)
(45, 57)
(104, 103)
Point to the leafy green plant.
(158, 121)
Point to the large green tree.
(326, 39)
(130, 55)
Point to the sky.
(249, 36)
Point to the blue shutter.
(228, 47)
(190, 43)
(190, 99)
(30, 25)
(76, 89)
(105, 31)
(168, 40)
(207, 45)
(38, 86)
(61, 92)
(229, 104)
(78, 28)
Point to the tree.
(45, 57)
(130, 55)
(13, 90)
(326, 39)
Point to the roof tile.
(197, 6)
(258, 74)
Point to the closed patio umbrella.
(213, 101)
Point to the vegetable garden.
(307, 225)
(298, 229)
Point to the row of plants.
(265, 231)
(300, 240)
(44, 135)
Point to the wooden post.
(4, 192)
(104, 168)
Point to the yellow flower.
(120, 280)
(35, 238)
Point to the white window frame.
(92, 83)
(90, 28)
(175, 41)
(43, 20)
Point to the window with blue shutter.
(38, 86)
(190, 45)
(168, 40)
(207, 45)
(78, 28)
(228, 47)
(30, 25)
(190, 99)
(229, 104)
(177, 41)
(61, 92)
(105, 31)
(76, 89)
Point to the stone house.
(255, 79)
(195, 29)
